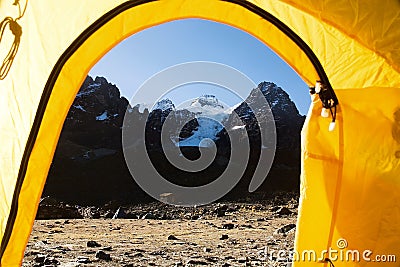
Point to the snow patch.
(90, 89)
(94, 85)
(237, 127)
(102, 117)
(208, 106)
(208, 129)
(274, 103)
(208, 101)
(79, 107)
(164, 104)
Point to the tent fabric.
(349, 181)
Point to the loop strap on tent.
(16, 30)
(21, 12)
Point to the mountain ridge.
(89, 165)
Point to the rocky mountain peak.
(267, 86)
(164, 105)
(278, 100)
(101, 81)
(89, 163)
(98, 103)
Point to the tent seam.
(338, 183)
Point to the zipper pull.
(328, 103)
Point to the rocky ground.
(154, 234)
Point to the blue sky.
(146, 53)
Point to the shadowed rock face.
(89, 166)
(285, 172)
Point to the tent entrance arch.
(91, 39)
(288, 28)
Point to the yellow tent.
(350, 187)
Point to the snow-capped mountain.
(207, 106)
(207, 101)
(164, 105)
(208, 128)
(203, 115)
(210, 113)
(89, 165)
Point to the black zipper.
(80, 40)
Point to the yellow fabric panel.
(42, 43)
(75, 70)
(321, 173)
(348, 62)
(373, 23)
(357, 191)
(333, 162)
